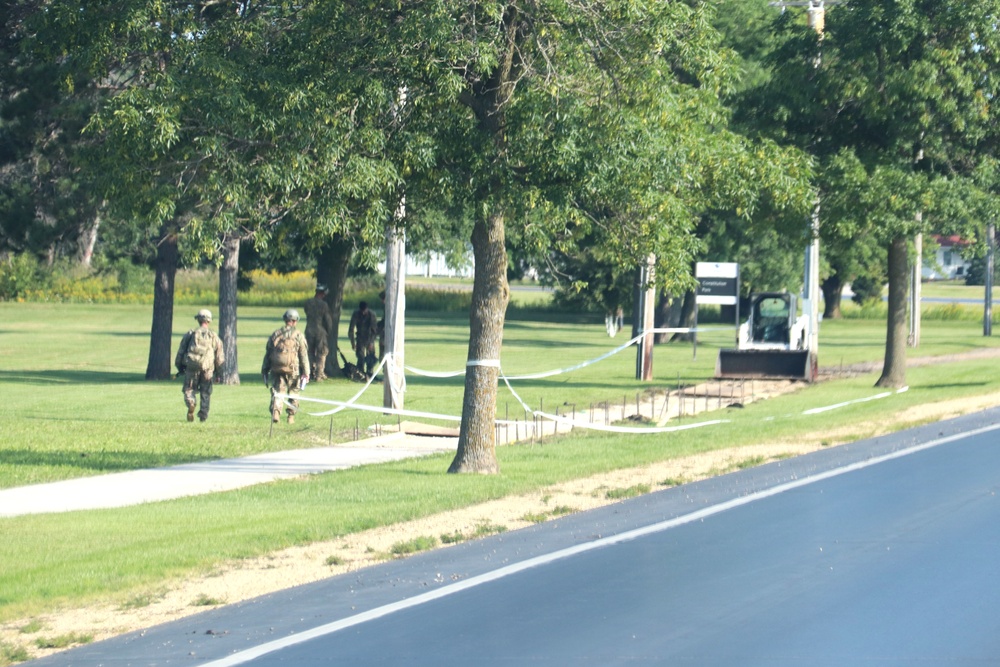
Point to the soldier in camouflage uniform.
(286, 365)
(319, 322)
(198, 357)
(362, 332)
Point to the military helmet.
(291, 314)
(204, 315)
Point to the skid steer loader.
(772, 343)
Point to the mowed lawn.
(75, 404)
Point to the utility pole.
(817, 21)
(394, 315)
(988, 307)
(916, 274)
(817, 10)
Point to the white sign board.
(718, 283)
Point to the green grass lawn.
(956, 289)
(75, 404)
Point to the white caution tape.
(388, 362)
(560, 371)
(488, 363)
(827, 408)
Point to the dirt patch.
(242, 580)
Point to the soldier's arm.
(265, 367)
(181, 352)
(304, 356)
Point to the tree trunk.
(87, 241)
(331, 270)
(897, 324)
(687, 317)
(667, 315)
(490, 295)
(230, 372)
(167, 259)
(833, 290)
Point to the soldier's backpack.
(284, 354)
(200, 354)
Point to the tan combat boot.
(291, 419)
(190, 413)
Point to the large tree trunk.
(167, 259)
(230, 372)
(331, 270)
(833, 290)
(490, 295)
(897, 324)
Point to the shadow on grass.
(72, 377)
(105, 461)
(954, 385)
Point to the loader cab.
(771, 316)
(771, 343)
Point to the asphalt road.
(883, 552)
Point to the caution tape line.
(569, 369)
(560, 419)
(389, 362)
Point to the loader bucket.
(767, 364)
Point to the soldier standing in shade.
(362, 333)
(286, 364)
(198, 357)
(319, 322)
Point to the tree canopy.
(894, 100)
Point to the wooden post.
(645, 311)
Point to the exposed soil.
(246, 579)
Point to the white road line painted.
(247, 655)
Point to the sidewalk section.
(143, 486)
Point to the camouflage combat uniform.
(362, 332)
(319, 323)
(287, 381)
(200, 380)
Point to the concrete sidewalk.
(143, 486)
(413, 439)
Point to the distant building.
(946, 262)
(435, 265)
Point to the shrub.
(18, 274)
(867, 289)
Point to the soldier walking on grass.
(286, 366)
(319, 322)
(362, 333)
(198, 357)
